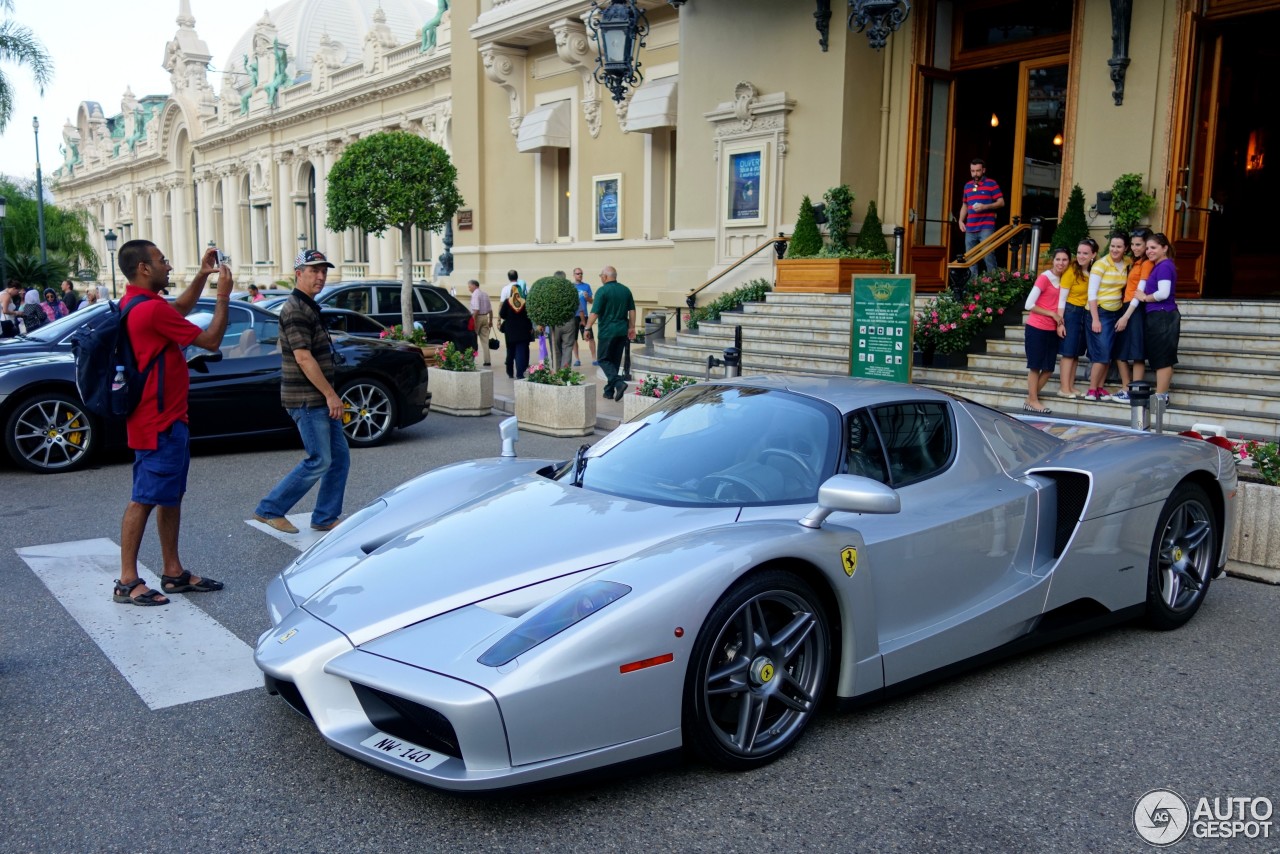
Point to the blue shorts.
(1131, 343)
(160, 476)
(1042, 348)
(1101, 345)
(1076, 319)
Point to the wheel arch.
(1217, 505)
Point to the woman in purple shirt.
(1162, 318)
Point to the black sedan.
(234, 392)
(441, 316)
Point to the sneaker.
(280, 523)
(1103, 395)
(577, 363)
(595, 363)
(1120, 397)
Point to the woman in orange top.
(1130, 328)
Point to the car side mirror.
(851, 493)
(199, 360)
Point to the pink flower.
(1000, 311)
(657, 392)
(964, 316)
(988, 309)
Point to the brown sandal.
(152, 597)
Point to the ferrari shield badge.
(849, 558)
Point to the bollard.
(733, 355)
(1157, 411)
(1139, 405)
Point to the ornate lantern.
(879, 18)
(619, 30)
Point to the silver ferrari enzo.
(704, 576)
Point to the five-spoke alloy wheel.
(369, 412)
(1183, 555)
(49, 433)
(758, 671)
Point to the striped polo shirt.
(302, 329)
(982, 192)
(1111, 279)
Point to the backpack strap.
(124, 313)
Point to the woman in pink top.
(1043, 330)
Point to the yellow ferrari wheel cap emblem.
(1177, 554)
(766, 673)
(849, 558)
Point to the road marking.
(172, 654)
(301, 540)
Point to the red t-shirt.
(155, 325)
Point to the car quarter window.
(389, 299)
(917, 439)
(864, 454)
(431, 301)
(352, 299)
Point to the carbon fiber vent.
(1073, 492)
(408, 720)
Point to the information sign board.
(880, 334)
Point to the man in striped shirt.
(982, 198)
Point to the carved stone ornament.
(577, 50)
(505, 66)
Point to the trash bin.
(655, 325)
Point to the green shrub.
(1073, 227)
(453, 359)
(752, 291)
(1129, 202)
(552, 301)
(871, 242)
(806, 240)
(839, 216)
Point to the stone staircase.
(1229, 352)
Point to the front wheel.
(1182, 558)
(758, 671)
(50, 432)
(368, 412)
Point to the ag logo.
(849, 558)
(1161, 817)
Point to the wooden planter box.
(556, 410)
(465, 393)
(633, 405)
(823, 275)
(1256, 539)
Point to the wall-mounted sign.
(464, 219)
(607, 201)
(880, 337)
(744, 185)
(86, 275)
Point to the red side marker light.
(646, 662)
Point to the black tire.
(369, 412)
(1183, 553)
(758, 671)
(50, 433)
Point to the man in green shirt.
(615, 310)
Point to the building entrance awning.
(653, 105)
(547, 126)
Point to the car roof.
(845, 393)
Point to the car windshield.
(713, 445)
(55, 331)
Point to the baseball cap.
(311, 258)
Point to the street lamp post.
(110, 238)
(44, 255)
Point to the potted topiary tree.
(1129, 202)
(459, 386)
(811, 267)
(1073, 227)
(553, 301)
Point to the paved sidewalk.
(608, 412)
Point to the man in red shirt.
(158, 435)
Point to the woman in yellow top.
(1106, 304)
(1072, 307)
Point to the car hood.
(531, 532)
(17, 347)
(11, 360)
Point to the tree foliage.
(28, 271)
(806, 240)
(1129, 202)
(871, 239)
(553, 301)
(19, 46)
(1073, 227)
(393, 179)
(67, 232)
(839, 217)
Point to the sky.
(98, 49)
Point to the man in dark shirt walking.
(615, 309)
(982, 198)
(307, 394)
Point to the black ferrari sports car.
(234, 392)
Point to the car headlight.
(568, 609)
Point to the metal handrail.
(692, 299)
(1000, 238)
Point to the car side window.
(431, 300)
(389, 299)
(864, 454)
(355, 299)
(241, 339)
(917, 439)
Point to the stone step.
(1190, 372)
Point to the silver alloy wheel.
(50, 434)
(1185, 556)
(765, 675)
(368, 412)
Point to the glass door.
(1193, 205)
(929, 219)
(1039, 140)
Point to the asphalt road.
(1047, 752)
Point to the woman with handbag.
(517, 329)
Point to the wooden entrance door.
(929, 218)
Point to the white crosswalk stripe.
(301, 540)
(171, 655)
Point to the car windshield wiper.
(580, 464)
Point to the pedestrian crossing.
(189, 656)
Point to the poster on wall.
(880, 338)
(608, 206)
(744, 185)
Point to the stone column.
(179, 234)
(383, 264)
(231, 216)
(287, 233)
(156, 197)
(322, 157)
(204, 203)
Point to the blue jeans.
(972, 239)
(328, 461)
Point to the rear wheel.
(1182, 558)
(368, 412)
(758, 671)
(50, 432)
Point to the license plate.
(403, 751)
